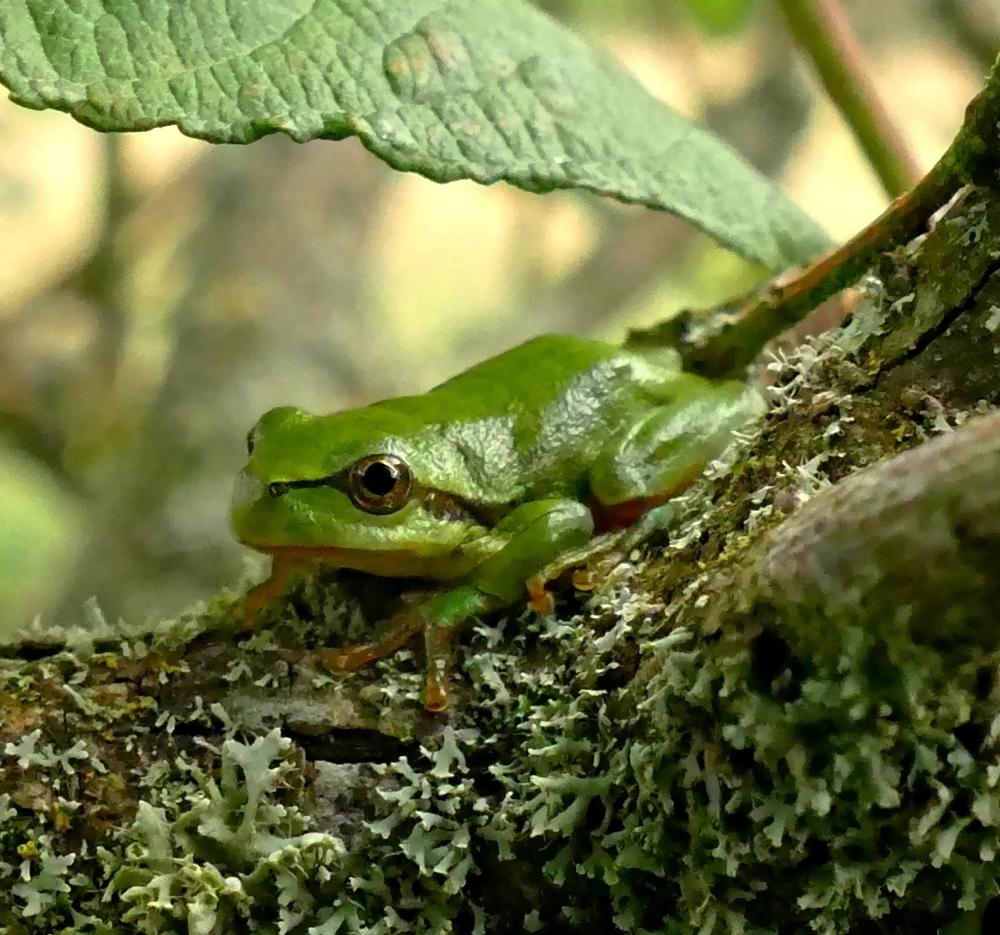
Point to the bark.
(783, 714)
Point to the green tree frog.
(488, 485)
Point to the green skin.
(510, 463)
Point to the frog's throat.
(388, 563)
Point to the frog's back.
(531, 421)
(525, 378)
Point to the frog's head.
(351, 487)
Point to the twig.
(822, 31)
(721, 343)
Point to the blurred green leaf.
(718, 17)
(492, 90)
(20, 431)
(39, 535)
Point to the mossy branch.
(782, 717)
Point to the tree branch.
(721, 342)
(780, 718)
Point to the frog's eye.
(379, 483)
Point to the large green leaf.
(484, 89)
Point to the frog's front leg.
(438, 618)
(539, 531)
(283, 564)
(536, 533)
(443, 617)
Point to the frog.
(487, 487)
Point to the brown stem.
(823, 32)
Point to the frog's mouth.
(388, 563)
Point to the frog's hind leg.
(664, 451)
(540, 597)
(401, 628)
(639, 471)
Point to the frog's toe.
(586, 579)
(540, 597)
(436, 698)
(347, 658)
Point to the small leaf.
(490, 90)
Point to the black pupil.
(379, 479)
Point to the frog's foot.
(609, 547)
(354, 655)
(541, 597)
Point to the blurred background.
(158, 294)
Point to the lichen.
(203, 856)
